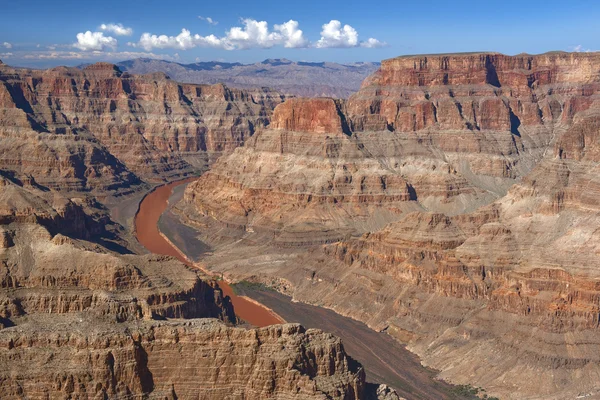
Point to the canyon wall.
(451, 202)
(101, 130)
(200, 359)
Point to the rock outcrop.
(298, 186)
(200, 359)
(102, 130)
(320, 115)
(458, 213)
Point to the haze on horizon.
(65, 32)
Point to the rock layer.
(103, 130)
(79, 320)
(201, 359)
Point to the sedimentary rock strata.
(201, 359)
(102, 130)
(456, 208)
(299, 185)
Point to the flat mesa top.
(477, 53)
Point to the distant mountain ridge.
(310, 79)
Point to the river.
(146, 229)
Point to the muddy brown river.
(148, 234)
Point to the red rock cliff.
(310, 115)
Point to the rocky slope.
(99, 129)
(452, 202)
(309, 79)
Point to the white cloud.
(334, 35)
(184, 41)
(292, 36)
(6, 55)
(581, 49)
(253, 34)
(208, 19)
(371, 43)
(95, 41)
(117, 29)
(90, 55)
(256, 34)
(7, 45)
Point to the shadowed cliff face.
(460, 214)
(102, 130)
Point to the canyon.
(452, 202)
(99, 129)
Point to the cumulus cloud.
(117, 29)
(7, 45)
(6, 55)
(184, 41)
(94, 41)
(253, 34)
(372, 43)
(293, 37)
(581, 49)
(334, 35)
(208, 19)
(257, 34)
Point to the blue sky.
(64, 32)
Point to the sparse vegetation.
(240, 287)
(471, 392)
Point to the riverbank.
(148, 234)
